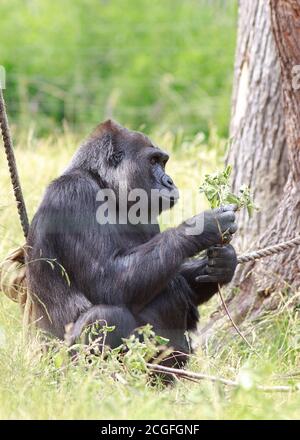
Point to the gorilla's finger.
(218, 271)
(232, 207)
(227, 217)
(233, 228)
(72, 334)
(220, 251)
(209, 270)
(219, 262)
(74, 331)
(213, 251)
(210, 252)
(206, 279)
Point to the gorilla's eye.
(154, 159)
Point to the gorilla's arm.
(217, 268)
(144, 271)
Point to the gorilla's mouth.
(169, 196)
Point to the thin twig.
(234, 324)
(278, 388)
(186, 374)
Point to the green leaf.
(231, 198)
(217, 189)
(161, 341)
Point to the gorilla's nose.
(167, 181)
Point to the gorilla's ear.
(105, 138)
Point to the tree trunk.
(285, 16)
(258, 145)
(260, 154)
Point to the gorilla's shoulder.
(72, 187)
(76, 178)
(74, 182)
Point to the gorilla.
(85, 270)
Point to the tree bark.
(258, 142)
(271, 161)
(285, 16)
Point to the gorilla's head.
(124, 159)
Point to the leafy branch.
(217, 189)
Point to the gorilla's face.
(127, 161)
(144, 167)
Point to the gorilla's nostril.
(167, 181)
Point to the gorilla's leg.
(172, 314)
(119, 317)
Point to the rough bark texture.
(258, 146)
(286, 29)
(268, 154)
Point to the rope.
(270, 250)
(8, 146)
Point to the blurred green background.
(148, 63)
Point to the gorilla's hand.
(212, 227)
(220, 265)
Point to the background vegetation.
(164, 66)
(148, 63)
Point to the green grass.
(36, 385)
(33, 386)
(135, 60)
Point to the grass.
(36, 385)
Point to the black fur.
(128, 275)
